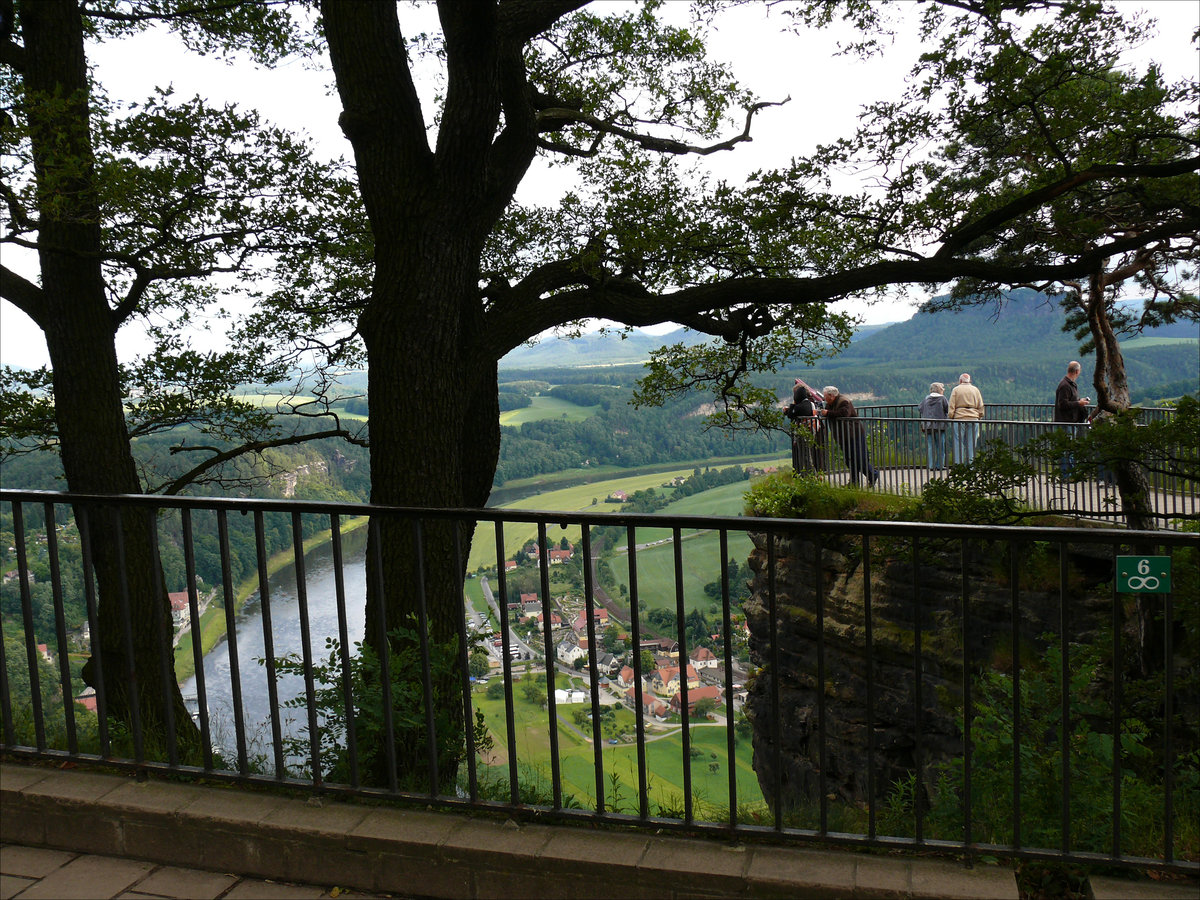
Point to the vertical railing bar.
(514, 789)
(384, 652)
(189, 565)
(339, 591)
(682, 659)
(589, 606)
(918, 693)
(235, 674)
(464, 658)
(264, 596)
(869, 637)
(1168, 716)
(822, 781)
(638, 698)
(773, 634)
(31, 656)
(1064, 650)
(306, 653)
(82, 522)
(60, 629)
(6, 719)
(418, 533)
(162, 616)
(1014, 595)
(134, 693)
(1116, 720)
(727, 658)
(968, 750)
(548, 642)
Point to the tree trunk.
(80, 330)
(435, 442)
(1112, 396)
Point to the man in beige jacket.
(966, 409)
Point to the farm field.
(548, 408)
(587, 498)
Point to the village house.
(510, 565)
(599, 616)
(703, 658)
(707, 692)
(555, 620)
(558, 557)
(569, 650)
(625, 677)
(179, 608)
(665, 681)
(651, 705)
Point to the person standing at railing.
(933, 412)
(842, 419)
(808, 451)
(965, 410)
(1070, 412)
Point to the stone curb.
(440, 854)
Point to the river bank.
(212, 622)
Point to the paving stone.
(155, 796)
(1108, 888)
(334, 818)
(74, 785)
(88, 877)
(18, 778)
(11, 885)
(823, 874)
(32, 862)
(172, 881)
(274, 890)
(938, 878)
(881, 876)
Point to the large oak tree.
(463, 273)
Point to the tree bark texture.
(134, 612)
(435, 433)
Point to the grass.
(664, 760)
(578, 498)
(548, 408)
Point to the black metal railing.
(903, 456)
(1018, 692)
(1004, 412)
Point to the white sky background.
(826, 92)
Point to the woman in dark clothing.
(847, 430)
(808, 452)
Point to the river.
(286, 638)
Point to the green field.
(1144, 341)
(548, 408)
(664, 757)
(572, 499)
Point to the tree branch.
(225, 456)
(22, 293)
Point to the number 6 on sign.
(1144, 574)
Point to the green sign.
(1144, 574)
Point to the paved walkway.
(38, 873)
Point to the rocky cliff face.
(820, 655)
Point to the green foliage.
(1090, 749)
(366, 686)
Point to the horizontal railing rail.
(957, 688)
(906, 458)
(1004, 412)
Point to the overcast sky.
(825, 92)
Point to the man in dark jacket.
(1070, 410)
(842, 419)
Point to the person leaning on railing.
(808, 451)
(965, 410)
(933, 412)
(848, 431)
